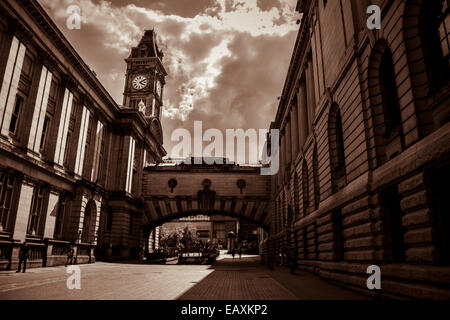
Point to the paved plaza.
(226, 279)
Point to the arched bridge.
(174, 191)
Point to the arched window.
(393, 134)
(434, 27)
(336, 145)
(386, 116)
(426, 32)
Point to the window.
(296, 197)
(390, 202)
(393, 134)
(338, 235)
(27, 66)
(87, 158)
(45, 129)
(135, 173)
(316, 178)
(6, 198)
(303, 109)
(337, 152)
(60, 217)
(15, 114)
(37, 207)
(305, 243)
(67, 149)
(440, 190)
(101, 158)
(89, 218)
(305, 187)
(434, 26)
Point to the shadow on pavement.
(247, 279)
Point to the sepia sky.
(227, 59)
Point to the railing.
(37, 252)
(60, 249)
(84, 250)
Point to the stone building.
(61, 136)
(365, 137)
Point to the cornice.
(43, 21)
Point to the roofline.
(32, 7)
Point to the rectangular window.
(394, 231)
(27, 66)
(15, 114)
(101, 159)
(45, 128)
(67, 149)
(37, 205)
(6, 197)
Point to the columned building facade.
(364, 148)
(62, 136)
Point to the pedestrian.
(233, 252)
(240, 252)
(70, 253)
(23, 256)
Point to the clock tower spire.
(145, 77)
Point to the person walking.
(70, 256)
(233, 252)
(240, 252)
(23, 256)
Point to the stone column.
(288, 141)
(51, 214)
(282, 155)
(299, 121)
(304, 126)
(311, 96)
(294, 131)
(58, 117)
(23, 210)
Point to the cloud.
(226, 59)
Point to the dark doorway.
(394, 231)
(441, 207)
(338, 231)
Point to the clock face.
(140, 82)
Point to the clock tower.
(145, 77)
